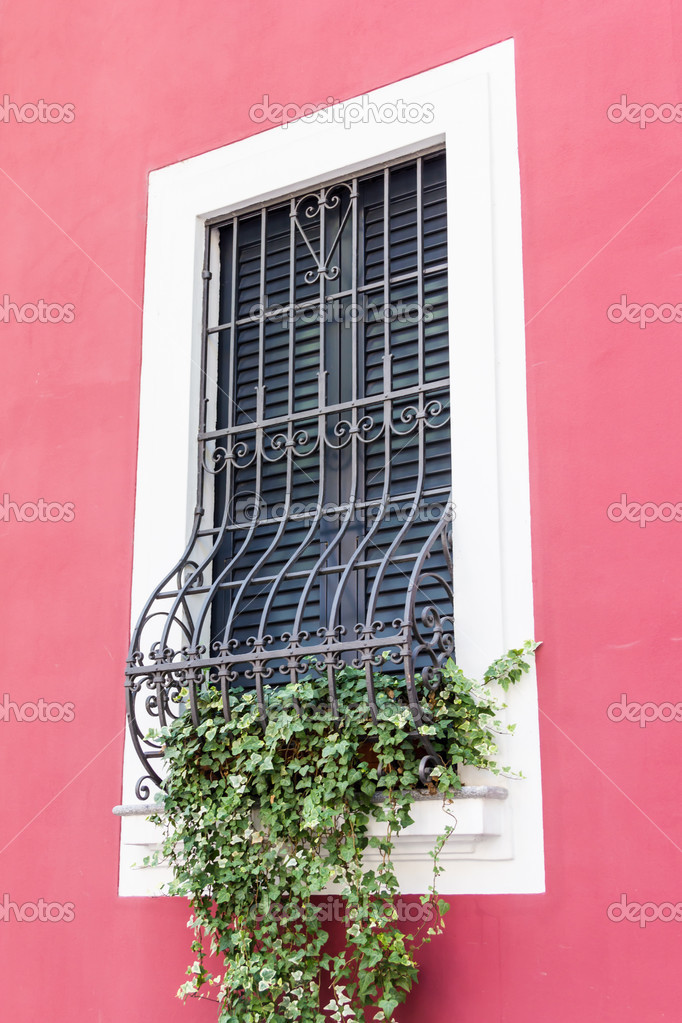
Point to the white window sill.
(479, 814)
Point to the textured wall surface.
(154, 83)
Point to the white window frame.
(499, 847)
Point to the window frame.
(474, 116)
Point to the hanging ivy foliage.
(259, 820)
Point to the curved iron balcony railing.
(321, 535)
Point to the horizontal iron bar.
(357, 645)
(310, 415)
(270, 312)
(327, 508)
(301, 574)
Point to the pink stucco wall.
(153, 83)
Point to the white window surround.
(498, 845)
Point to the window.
(220, 241)
(328, 461)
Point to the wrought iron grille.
(321, 534)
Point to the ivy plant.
(259, 820)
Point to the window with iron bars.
(321, 534)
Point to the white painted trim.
(474, 113)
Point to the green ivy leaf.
(257, 821)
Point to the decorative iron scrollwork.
(313, 205)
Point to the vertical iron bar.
(229, 468)
(260, 430)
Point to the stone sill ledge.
(466, 792)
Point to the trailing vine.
(258, 821)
